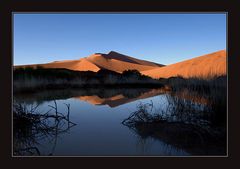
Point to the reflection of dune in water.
(100, 96)
(119, 99)
(96, 100)
(103, 96)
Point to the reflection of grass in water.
(30, 127)
(194, 120)
(214, 90)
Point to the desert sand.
(213, 64)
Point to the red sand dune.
(112, 61)
(213, 64)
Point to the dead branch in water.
(31, 126)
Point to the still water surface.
(98, 130)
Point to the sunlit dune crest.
(213, 64)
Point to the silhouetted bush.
(128, 73)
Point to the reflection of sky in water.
(99, 131)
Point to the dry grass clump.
(194, 118)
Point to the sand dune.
(79, 65)
(203, 66)
(112, 61)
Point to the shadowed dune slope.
(121, 57)
(213, 64)
(117, 65)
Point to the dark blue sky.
(162, 38)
